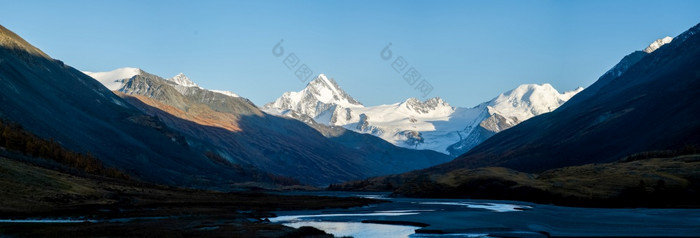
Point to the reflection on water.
(349, 224)
(352, 228)
(484, 218)
(357, 229)
(372, 196)
(362, 230)
(379, 213)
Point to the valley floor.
(118, 208)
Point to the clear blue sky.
(470, 51)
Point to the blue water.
(482, 218)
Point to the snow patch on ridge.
(227, 93)
(114, 79)
(658, 43)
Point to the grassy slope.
(656, 182)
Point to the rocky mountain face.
(432, 124)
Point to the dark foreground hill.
(650, 106)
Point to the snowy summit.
(319, 100)
(182, 80)
(431, 124)
(114, 80)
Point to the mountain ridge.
(251, 137)
(432, 124)
(425, 124)
(650, 88)
(631, 141)
(10, 40)
(55, 101)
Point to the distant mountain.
(432, 124)
(235, 132)
(54, 101)
(116, 79)
(647, 102)
(320, 100)
(509, 109)
(631, 139)
(170, 131)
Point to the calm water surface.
(485, 218)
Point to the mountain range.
(173, 132)
(233, 131)
(646, 102)
(630, 139)
(432, 124)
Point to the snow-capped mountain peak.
(431, 124)
(658, 43)
(326, 90)
(182, 80)
(322, 99)
(529, 100)
(114, 79)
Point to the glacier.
(432, 124)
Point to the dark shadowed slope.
(652, 105)
(55, 101)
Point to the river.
(486, 218)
